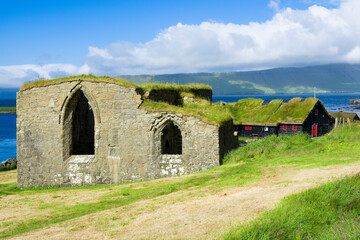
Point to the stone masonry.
(127, 139)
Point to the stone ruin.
(81, 132)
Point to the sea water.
(332, 102)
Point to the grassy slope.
(47, 206)
(330, 211)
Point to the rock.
(354, 101)
(8, 164)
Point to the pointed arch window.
(83, 128)
(171, 139)
(79, 126)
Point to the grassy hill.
(201, 205)
(330, 211)
(326, 78)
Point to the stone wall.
(127, 142)
(173, 97)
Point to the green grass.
(209, 113)
(6, 168)
(331, 211)
(91, 78)
(344, 115)
(242, 166)
(171, 86)
(301, 150)
(295, 110)
(252, 111)
(7, 109)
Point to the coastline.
(7, 112)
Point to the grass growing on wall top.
(172, 86)
(330, 211)
(208, 113)
(91, 78)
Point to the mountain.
(326, 78)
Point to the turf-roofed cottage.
(89, 130)
(344, 116)
(258, 118)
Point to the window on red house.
(316, 111)
(248, 128)
(284, 127)
(294, 127)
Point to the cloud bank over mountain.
(317, 35)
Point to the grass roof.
(253, 111)
(295, 110)
(213, 114)
(91, 78)
(351, 116)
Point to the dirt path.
(8, 176)
(206, 217)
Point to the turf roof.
(91, 78)
(351, 116)
(253, 111)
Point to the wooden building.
(345, 115)
(257, 118)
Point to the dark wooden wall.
(319, 116)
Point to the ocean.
(333, 103)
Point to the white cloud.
(317, 35)
(14, 76)
(274, 4)
(292, 37)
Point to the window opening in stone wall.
(83, 128)
(171, 139)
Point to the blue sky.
(52, 31)
(52, 38)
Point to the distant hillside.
(326, 78)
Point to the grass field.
(7, 109)
(29, 210)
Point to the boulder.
(354, 101)
(8, 164)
